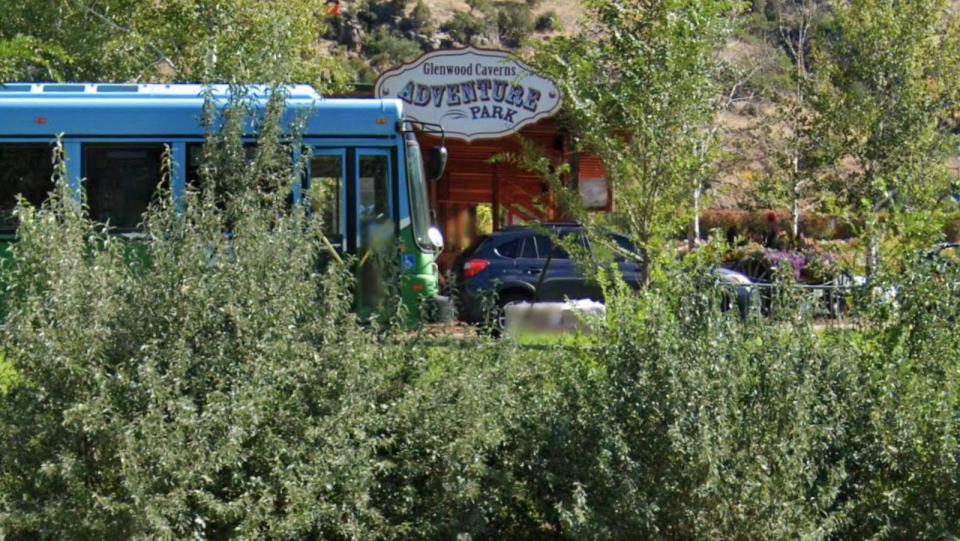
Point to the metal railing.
(829, 301)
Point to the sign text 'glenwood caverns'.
(473, 93)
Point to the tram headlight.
(436, 238)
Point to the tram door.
(352, 189)
(373, 224)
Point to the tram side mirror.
(436, 162)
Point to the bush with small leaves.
(199, 391)
(386, 50)
(463, 27)
(421, 19)
(515, 23)
(547, 22)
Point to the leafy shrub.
(8, 376)
(515, 23)
(547, 22)
(220, 387)
(383, 12)
(24, 58)
(387, 49)
(421, 19)
(756, 223)
(724, 430)
(462, 27)
(191, 392)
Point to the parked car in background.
(940, 264)
(509, 265)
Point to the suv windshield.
(417, 186)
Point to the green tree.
(24, 57)
(191, 40)
(385, 11)
(515, 22)
(797, 26)
(386, 49)
(421, 19)
(885, 83)
(639, 89)
(102, 481)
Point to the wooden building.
(486, 102)
(513, 195)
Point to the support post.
(495, 207)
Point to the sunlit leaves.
(183, 40)
(640, 93)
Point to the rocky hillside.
(760, 59)
(567, 11)
(378, 34)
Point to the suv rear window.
(545, 245)
(529, 249)
(511, 249)
(625, 245)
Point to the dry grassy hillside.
(733, 185)
(753, 130)
(568, 11)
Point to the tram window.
(195, 161)
(25, 169)
(374, 197)
(121, 180)
(326, 185)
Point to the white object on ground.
(569, 316)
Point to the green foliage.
(885, 85)
(22, 57)
(8, 376)
(124, 40)
(484, 219)
(383, 12)
(511, 21)
(151, 385)
(386, 50)
(792, 427)
(771, 76)
(462, 27)
(421, 19)
(220, 388)
(212, 385)
(515, 22)
(639, 93)
(548, 22)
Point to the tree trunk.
(696, 211)
(873, 255)
(796, 218)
